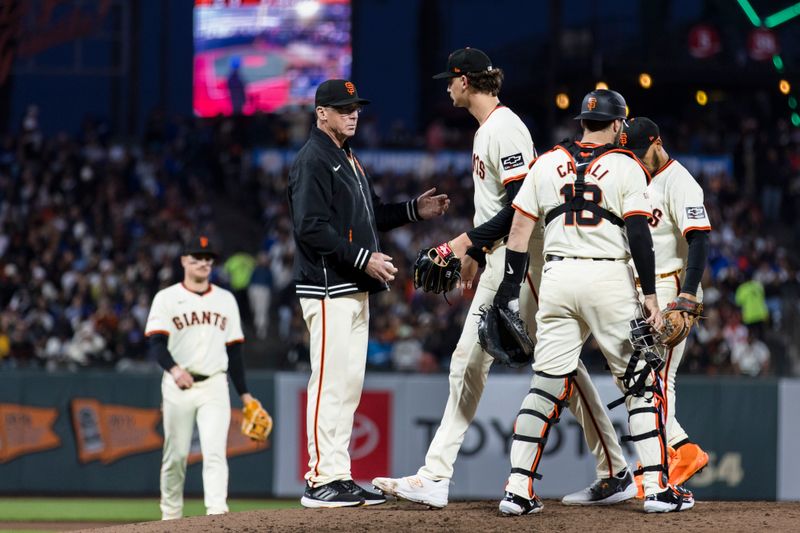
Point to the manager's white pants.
(339, 329)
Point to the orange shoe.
(688, 460)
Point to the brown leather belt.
(662, 276)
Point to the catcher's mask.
(643, 339)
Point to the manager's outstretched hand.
(430, 206)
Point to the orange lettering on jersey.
(178, 323)
(595, 171)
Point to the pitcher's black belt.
(549, 258)
(199, 377)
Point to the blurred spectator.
(750, 298)
(751, 357)
(239, 268)
(260, 294)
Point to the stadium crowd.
(91, 229)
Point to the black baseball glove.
(503, 335)
(437, 270)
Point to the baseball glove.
(256, 422)
(679, 317)
(437, 269)
(503, 335)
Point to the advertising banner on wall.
(710, 410)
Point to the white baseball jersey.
(501, 152)
(199, 326)
(678, 208)
(615, 181)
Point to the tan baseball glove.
(679, 317)
(256, 422)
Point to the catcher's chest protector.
(575, 201)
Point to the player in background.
(502, 150)
(195, 334)
(592, 198)
(680, 227)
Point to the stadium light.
(785, 87)
(782, 16)
(778, 62)
(601, 85)
(796, 119)
(645, 80)
(562, 101)
(701, 97)
(750, 12)
(792, 102)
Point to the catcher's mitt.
(679, 317)
(433, 276)
(256, 422)
(503, 335)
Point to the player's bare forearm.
(520, 234)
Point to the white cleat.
(417, 489)
(606, 491)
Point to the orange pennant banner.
(109, 432)
(25, 429)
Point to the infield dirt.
(482, 516)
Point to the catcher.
(195, 334)
(679, 227)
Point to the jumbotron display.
(254, 56)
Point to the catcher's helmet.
(602, 104)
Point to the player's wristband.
(516, 263)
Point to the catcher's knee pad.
(541, 409)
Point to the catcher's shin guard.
(644, 398)
(541, 408)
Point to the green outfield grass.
(114, 509)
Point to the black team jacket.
(337, 217)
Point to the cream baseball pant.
(339, 329)
(207, 402)
(579, 297)
(469, 369)
(667, 289)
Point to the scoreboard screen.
(261, 56)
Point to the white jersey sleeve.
(635, 200)
(511, 153)
(686, 205)
(526, 202)
(158, 321)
